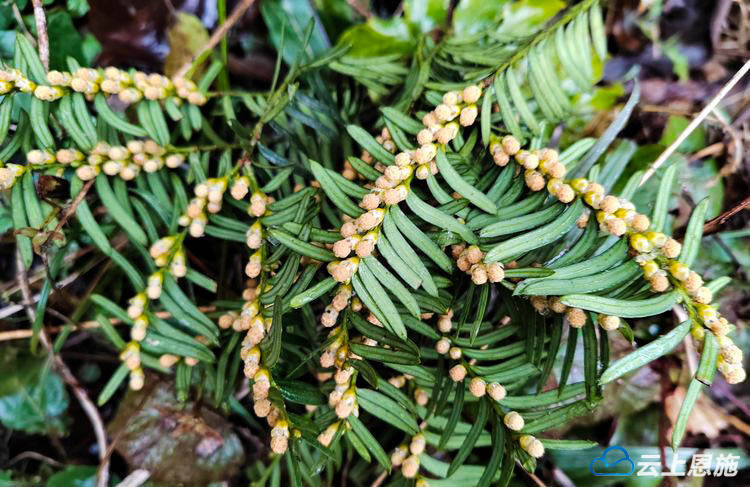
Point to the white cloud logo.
(618, 463)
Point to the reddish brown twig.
(69, 212)
(713, 225)
(102, 478)
(218, 35)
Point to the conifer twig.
(102, 477)
(41, 32)
(84, 325)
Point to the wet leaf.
(65, 38)
(379, 37)
(187, 36)
(426, 14)
(32, 397)
(292, 17)
(526, 16)
(74, 476)
(675, 125)
(179, 442)
(472, 16)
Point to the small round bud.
(262, 408)
(443, 346)
(410, 467)
(693, 282)
(531, 161)
(556, 305)
(640, 243)
(452, 98)
(168, 360)
(417, 444)
(557, 170)
(457, 373)
(495, 272)
(468, 115)
(137, 379)
(342, 248)
(534, 180)
(703, 295)
(424, 136)
(511, 145)
(348, 229)
(279, 444)
(477, 387)
(478, 274)
(496, 391)
(421, 397)
(399, 455)
(455, 353)
(445, 113)
(576, 317)
(565, 193)
(500, 157)
(732, 354)
(513, 421)
(672, 248)
(679, 270)
(640, 223)
(472, 93)
(430, 120)
(474, 254)
(609, 322)
(735, 375)
(616, 226)
(532, 446)
(659, 283)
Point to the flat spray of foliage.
(405, 203)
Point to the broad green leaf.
(74, 476)
(378, 37)
(186, 36)
(292, 18)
